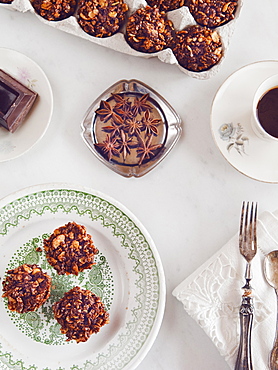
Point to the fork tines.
(248, 230)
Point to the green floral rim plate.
(128, 276)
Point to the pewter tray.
(169, 118)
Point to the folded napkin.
(212, 296)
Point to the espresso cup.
(264, 120)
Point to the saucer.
(26, 71)
(231, 123)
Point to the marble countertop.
(190, 203)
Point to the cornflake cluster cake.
(27, 288)
(54, 10)
(148, 30)
(198, 48)
(193, 34)
(80, 314)
(69, 250)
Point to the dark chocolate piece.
(16, 101)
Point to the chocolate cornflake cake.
(166, 5)
(80, 314)
(212, 13)
(101, 18)
(70, 249)
(54, 10)
(198, 48)
(148, 30)
(27, 287)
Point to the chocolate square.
(16, 101)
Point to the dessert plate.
(128, 276)
(231, 123)
(26, 71)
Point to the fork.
(248, 249)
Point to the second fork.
(248, 249)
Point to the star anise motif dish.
(150, 124)
(109, 147)
(127, 129)
(124, 112)
(130, 122)
(114, 129)
(133, 126)
(126, 143)
(106, 111)
(146, 150)
(121, 101)
(142, 104)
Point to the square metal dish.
(130, 128)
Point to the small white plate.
(26, 71)
(231, 124)
(128, 276)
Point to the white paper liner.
(181, 18)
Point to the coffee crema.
(267, 112)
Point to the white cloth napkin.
(212, 296)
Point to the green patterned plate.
(128, 276)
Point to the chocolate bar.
(16, 100)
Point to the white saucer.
(231, 124)
(32, 130)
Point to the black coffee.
(267, 111)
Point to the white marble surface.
(190, 203)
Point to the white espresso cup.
(264, 120)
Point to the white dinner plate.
(231, 123)
(26, 71)
(128, 276)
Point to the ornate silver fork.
(248, 249)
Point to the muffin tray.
(181, 18)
